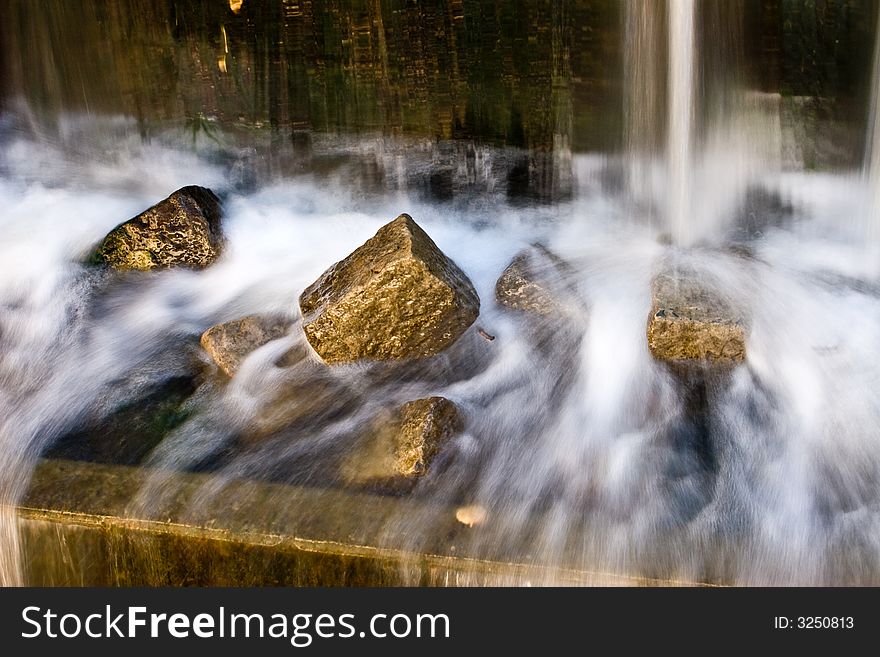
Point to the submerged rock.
(396, 297)
(305, 405)
(299, 398)
(400, 447)
(126, 432)
(689, 322)
(535, 281)
(181, 231)
(228, 344)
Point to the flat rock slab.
(399, 447)
(535, 281)
(182, 230)
(228, 344)
(691, 322)
(80, 527)
(396, 297)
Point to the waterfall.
(696, 139)
(680, 121)
(871, 164)
(643, 95)
(584, 451)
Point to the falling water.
(871, 166)
(584, 451)
(643, 97)
(680, 130)
(697, 140)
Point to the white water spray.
(680, 121)
(579, 447)
(871, 167)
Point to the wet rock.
(127, 432)
(299, 401)
(396, 297)
(302, 409)
(535, 281)
(691, 323)
(181, 231)
(228, 344)
(399, 447)
(421, 429)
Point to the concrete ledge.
(77, 529)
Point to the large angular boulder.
(399, 447)
(181, 231)
(690, 322)
(396, 297)
(536, 281)
(228, 344)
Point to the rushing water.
(679, 135)
(697, 137)
(584, 451)
(871, 169)
(582, 448)
(643, 96)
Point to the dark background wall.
(501, 72)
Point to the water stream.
(871, 170)
(681, 113)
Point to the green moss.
(95, 258)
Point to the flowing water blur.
(679, 134)
(584, 451)
(871, 170)
(697, 139)
(643, 98)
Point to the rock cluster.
(395, 298)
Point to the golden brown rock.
(690, 323)
(396, 297)
(181, 231)
(423, 426)
(229, 343)
(399, 447)
(535, 281)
